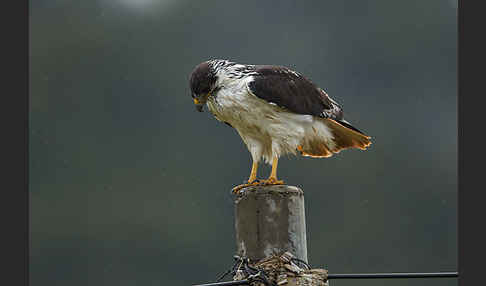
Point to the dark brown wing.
(296, 93)
(293, 91)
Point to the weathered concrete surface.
(270, 220)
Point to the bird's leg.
(253, 173)
(252, 181)
(272, 180)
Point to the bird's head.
(202, 83)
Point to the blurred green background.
(129, 185)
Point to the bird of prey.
(275, 110)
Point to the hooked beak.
(200, 101)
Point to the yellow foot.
(267, 182)
(271, 181)
(236, 189)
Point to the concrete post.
(270, 220)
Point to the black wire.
(393, 275)
(223, 275)
(238, 260)
(243, 264)
(302, 262)
(229, 283)
(357, 276)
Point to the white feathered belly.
(267, 129)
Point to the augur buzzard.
(275, 110)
